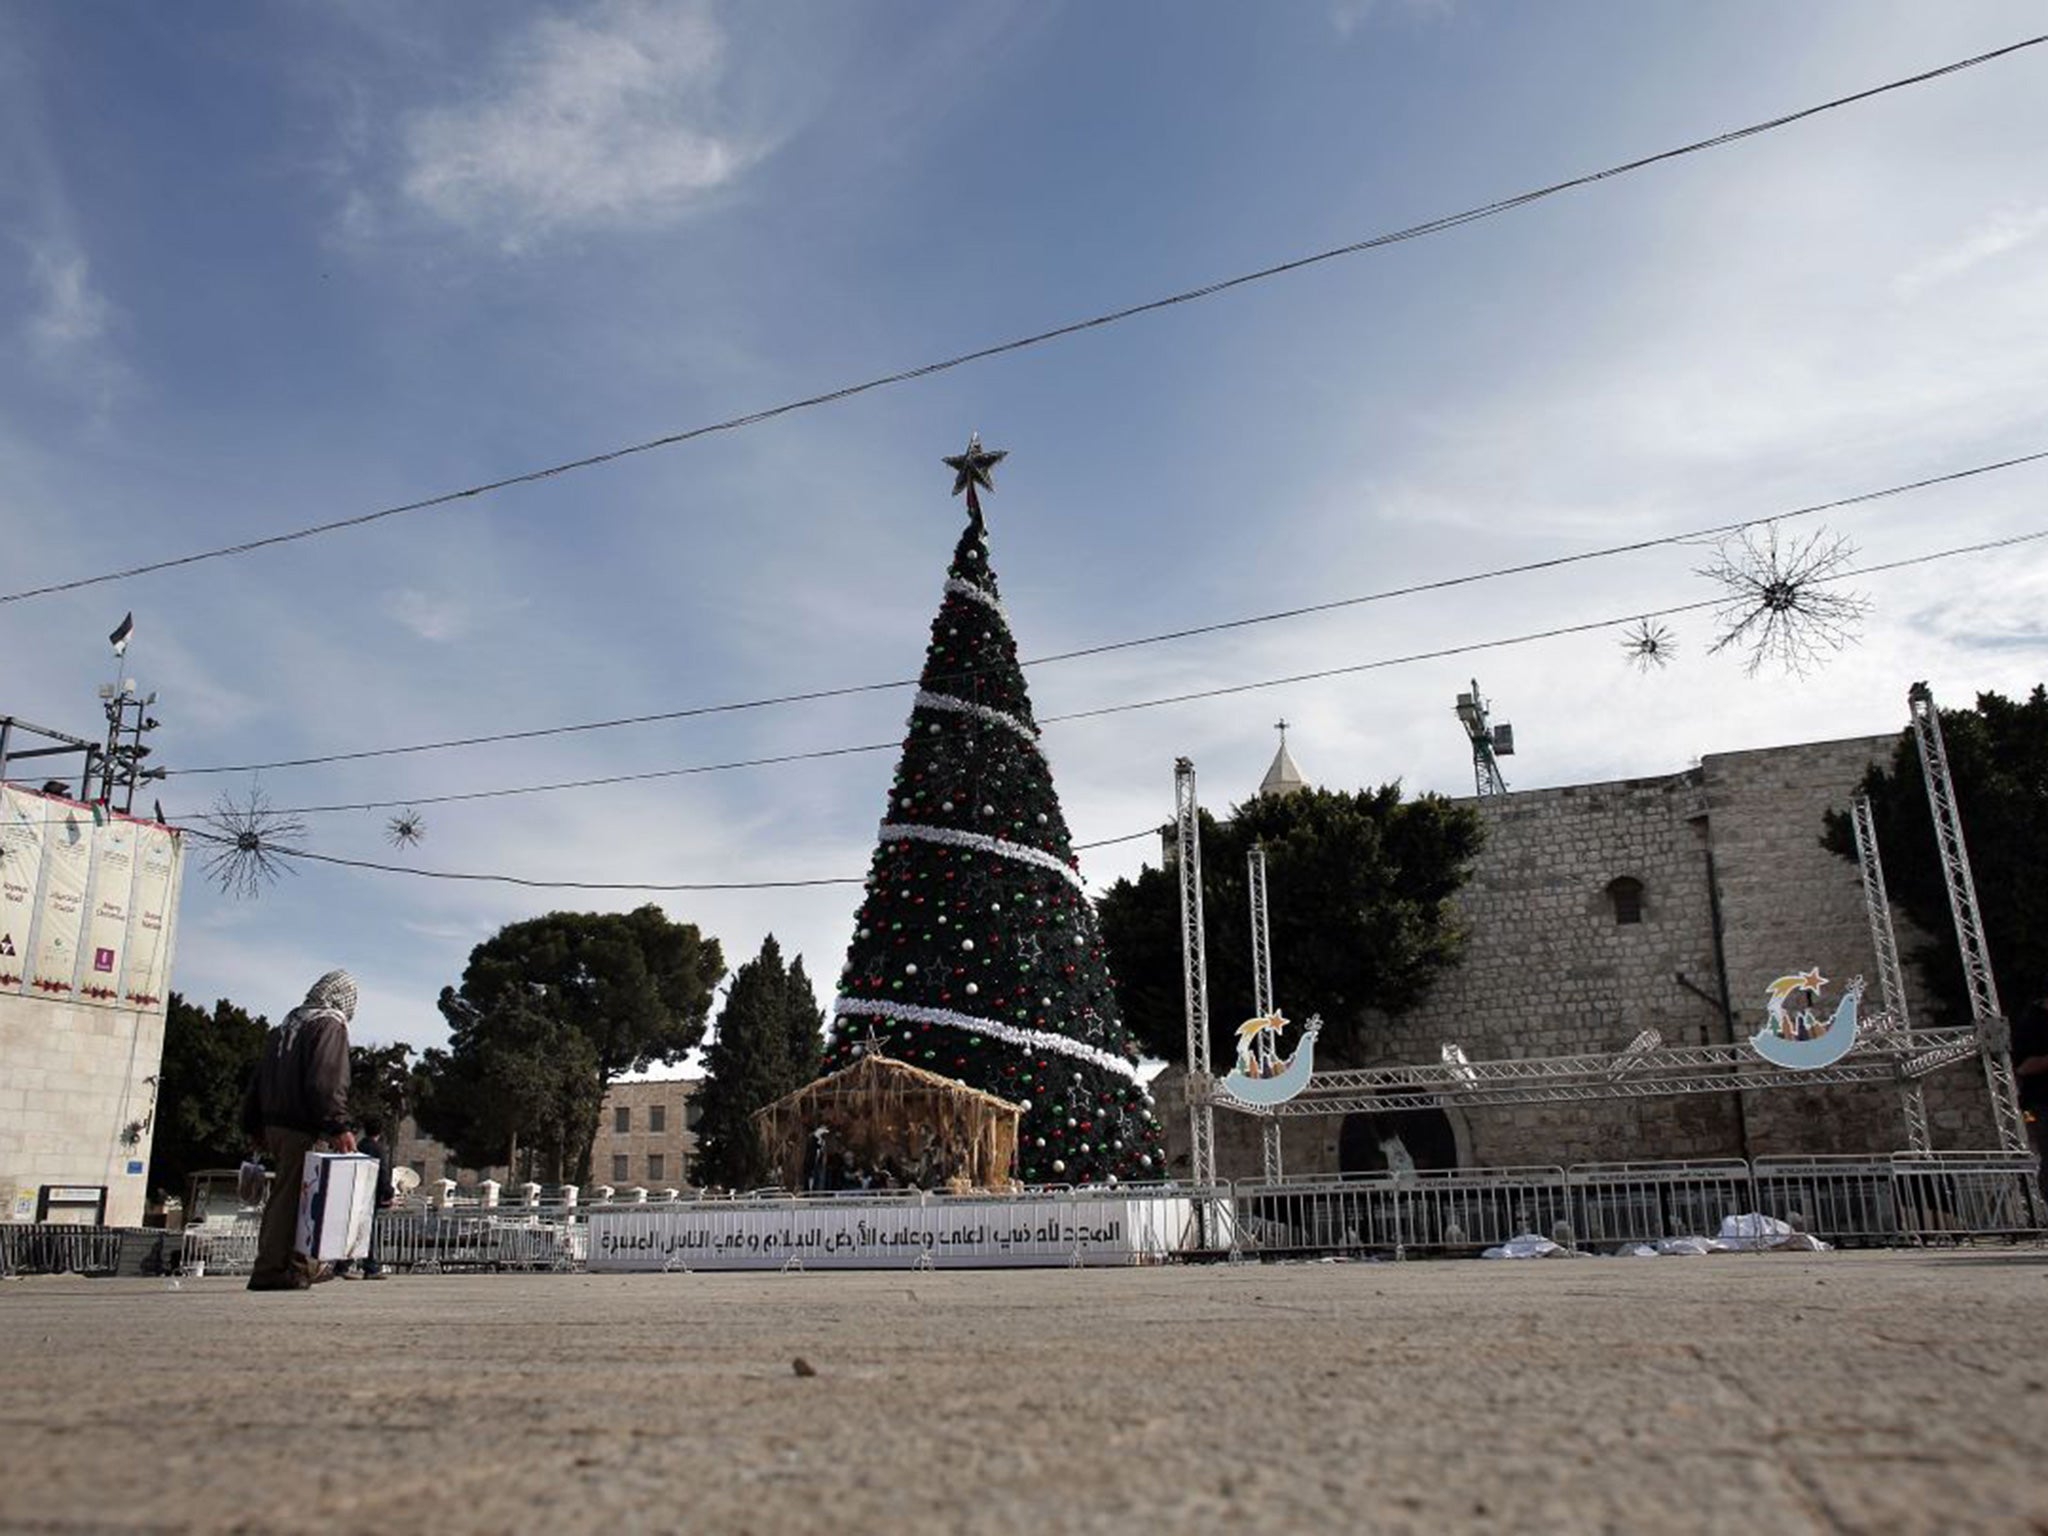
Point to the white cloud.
(609, 120)
(72, 313)
(2005, 231)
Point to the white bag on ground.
(1527, 1246)
(337, 1204)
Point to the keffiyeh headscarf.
(333, 993)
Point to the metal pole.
(1994, 1036)
(1270, 1146)
(1195, 977)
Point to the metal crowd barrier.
(1613, 1204)
(56, 1248)
(1851, 1202)
(1905, 1199)
(1434, 1211)
(1942, 1196)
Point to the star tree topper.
(971, 469)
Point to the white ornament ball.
(988, 810)
(1025, 1105)
(1041, 818)
(972, 989)
(910, 970)
(947, 806)
(995, 906)
(967, 943)
(1059, 1165)
(864, 932)
(1040, 1142)
(933, 728)
(1145, 1159)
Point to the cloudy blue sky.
(264, 266)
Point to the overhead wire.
(1111, 317)
(1320, 674)
(1385, 595)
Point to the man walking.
(298, 1103)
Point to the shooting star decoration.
(1780, 603)
(1649, 646)
(252, 844)
(406, 829)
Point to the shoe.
(290, 1283)
(321, 1275)
(348, 1274)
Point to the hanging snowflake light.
(405, 829)
(1781, 604)
(1649, 645)
(252, 844)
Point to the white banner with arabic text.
(966, 1233)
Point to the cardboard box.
(337, 1203)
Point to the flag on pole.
(119, 638)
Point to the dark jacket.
(301, 1082)
(373, 1146)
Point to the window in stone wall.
(619, 1173)
(657, 1118)
(1626, 895)
(692, 1113)
(655, 1163)
(622, 1119)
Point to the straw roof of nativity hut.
(880, 1108)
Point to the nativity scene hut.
(883, 1123)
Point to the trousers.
(278, 1264)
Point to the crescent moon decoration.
(1287, 1078)
(1823, 1044)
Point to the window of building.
(654, 1164)
(419, 1166)
(692, 1113)
(657, 1118)
(1626, 895)
(622, 1119)
(619, 1173)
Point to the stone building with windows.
(1596, 911)
(646, 1139)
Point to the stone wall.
(77, 1078)
(1734, 889)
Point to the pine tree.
(768, 1044)
(976, 953)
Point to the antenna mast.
(1490, 742)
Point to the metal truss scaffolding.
(1195, 976)
(1262, 989)
(1884, 943)
(1994, 1039)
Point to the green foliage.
(549, 1012)
(380, 1084)
(769, 1042)
(1359, 892)
(208, 1061)
(1998, 756)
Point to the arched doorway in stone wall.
(1430, 1139)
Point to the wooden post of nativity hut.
(923, 1130)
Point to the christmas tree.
(976, 953)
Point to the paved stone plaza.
(1893, 1392)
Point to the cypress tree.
(767, 1045)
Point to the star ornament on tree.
(971, 470)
